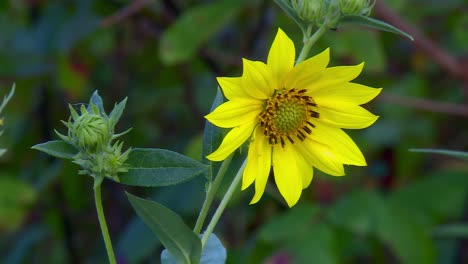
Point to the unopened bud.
(90, 130)
(356, 7)
(311, 11)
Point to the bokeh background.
(404, 207)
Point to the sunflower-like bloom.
(292, 116)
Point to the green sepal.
(116, 113)
(373, 23)
(452, 153)
(97, 101)
(181, 242)
(57, 148)
(121, 134)
(159, 167)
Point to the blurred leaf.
(451, 188)
(171, 230)
(373, 23)
(288, 9)
(195, 26)
(348, 43)
(357, 212)
(133, 252)
(213, 253)
(367, 213)
(318, 244)
(7, 98)
(57, 148)
(15, 199)
(33, 235)
(453, 153)
(159, 167)
(77, 27)
(453, 230)
(408, 238)
(289, 225)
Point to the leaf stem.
(309, 41)
(219, 211)
(212, 188)
(102, 220)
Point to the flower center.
(287, 116)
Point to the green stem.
(309, 41)
(219, 211)
(210, 193)
(102, 221)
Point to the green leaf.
(57, 148)
(171, 230)
(288, 9)
(453, 153)
(213, 253)
(373, 23)
(159, 167)
(212, 135)
(196, 25)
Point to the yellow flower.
(292, 116)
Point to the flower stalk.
(102, 220)
(210, 193)
(219, 211)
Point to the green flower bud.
(356, 7)
(311, 11)
(90, 131)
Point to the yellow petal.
(258, 165)
(235, 113)
(232, 141)
(287, 174)
(339, 143)
(321, 157)
(308, 71)
(346, 93)
(232, 87)
(333, 76)
(258, 79)
(347, 116)
(281, 56)
(306, 170)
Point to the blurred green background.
(404, 207)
